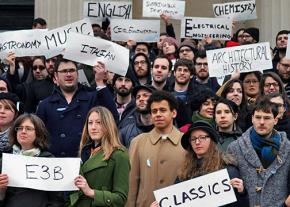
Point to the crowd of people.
(166, 121)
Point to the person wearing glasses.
(283, 70)
(203, 156)
(64, 112)
(39, 88)
(28, 136)
(140, 65)
(251, 82)
(202, 73)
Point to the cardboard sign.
(238, 11)
(172, 8)
(41, 173)
(137, 30)
(210, 190)
(100, 10)
(88, 50)
(199, 28)
(22, 43)
(54, 41)
(247, 58)
(288, 48)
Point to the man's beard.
(123, 92)
(143, 111)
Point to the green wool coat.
(109, 179)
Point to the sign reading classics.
(137, 30)
(238, 11)
(199, 28)
(100, 10)
(209, 190)
(247, 58)
(172, 8)
(41, 173)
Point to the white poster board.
(88, 50)
(22, 43)
(238, 11)
(210, 190)
(100, 10)
(137, 30)
(54, 41)
(247, 58)
(41, 173)
(172, 8)
(199, 28)
(288, 48)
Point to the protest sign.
(100, 10)
(82, 78)
(22, 43)
(288, 48)
(209, 190)
(247, 58)
(88, 50)
(41, 173)
(137, 30)
(54, 41)
(238, 11)
(172, 8)
(199, 28)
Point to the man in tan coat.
(155, 156)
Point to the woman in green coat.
(104, 177)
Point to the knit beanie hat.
(254, 32)
(171, 41)
(189, 44)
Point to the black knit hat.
(129, 75)
(146, 87)
(254, 32)
(203, 125)
(11, 97)
(189, 44)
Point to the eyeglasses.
(201, 138)
(40, 67)
(142, 62)
(26, 128)
(66, 71)
(248, 82)
(286, 66)
(201, 64)
(268, 85)
(185, 50)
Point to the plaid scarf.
(266, 148)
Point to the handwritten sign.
(100, 10)
(54, 41)
(199, 28)
(210, 190)
(172, 8)
(288, 48)
(41, 173)
(253, 57)
(137, 30)
(238, 11)
(22, 43)
(88, 50)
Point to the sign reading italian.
(41, 173)
(172, 8)
(100, 10)
(22, 43)
(137, 30)
(247, 58)
(54, 41)
(209, 190)
(238, 11)
(88, 50)
(199, 28)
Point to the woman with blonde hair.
(104, 176)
